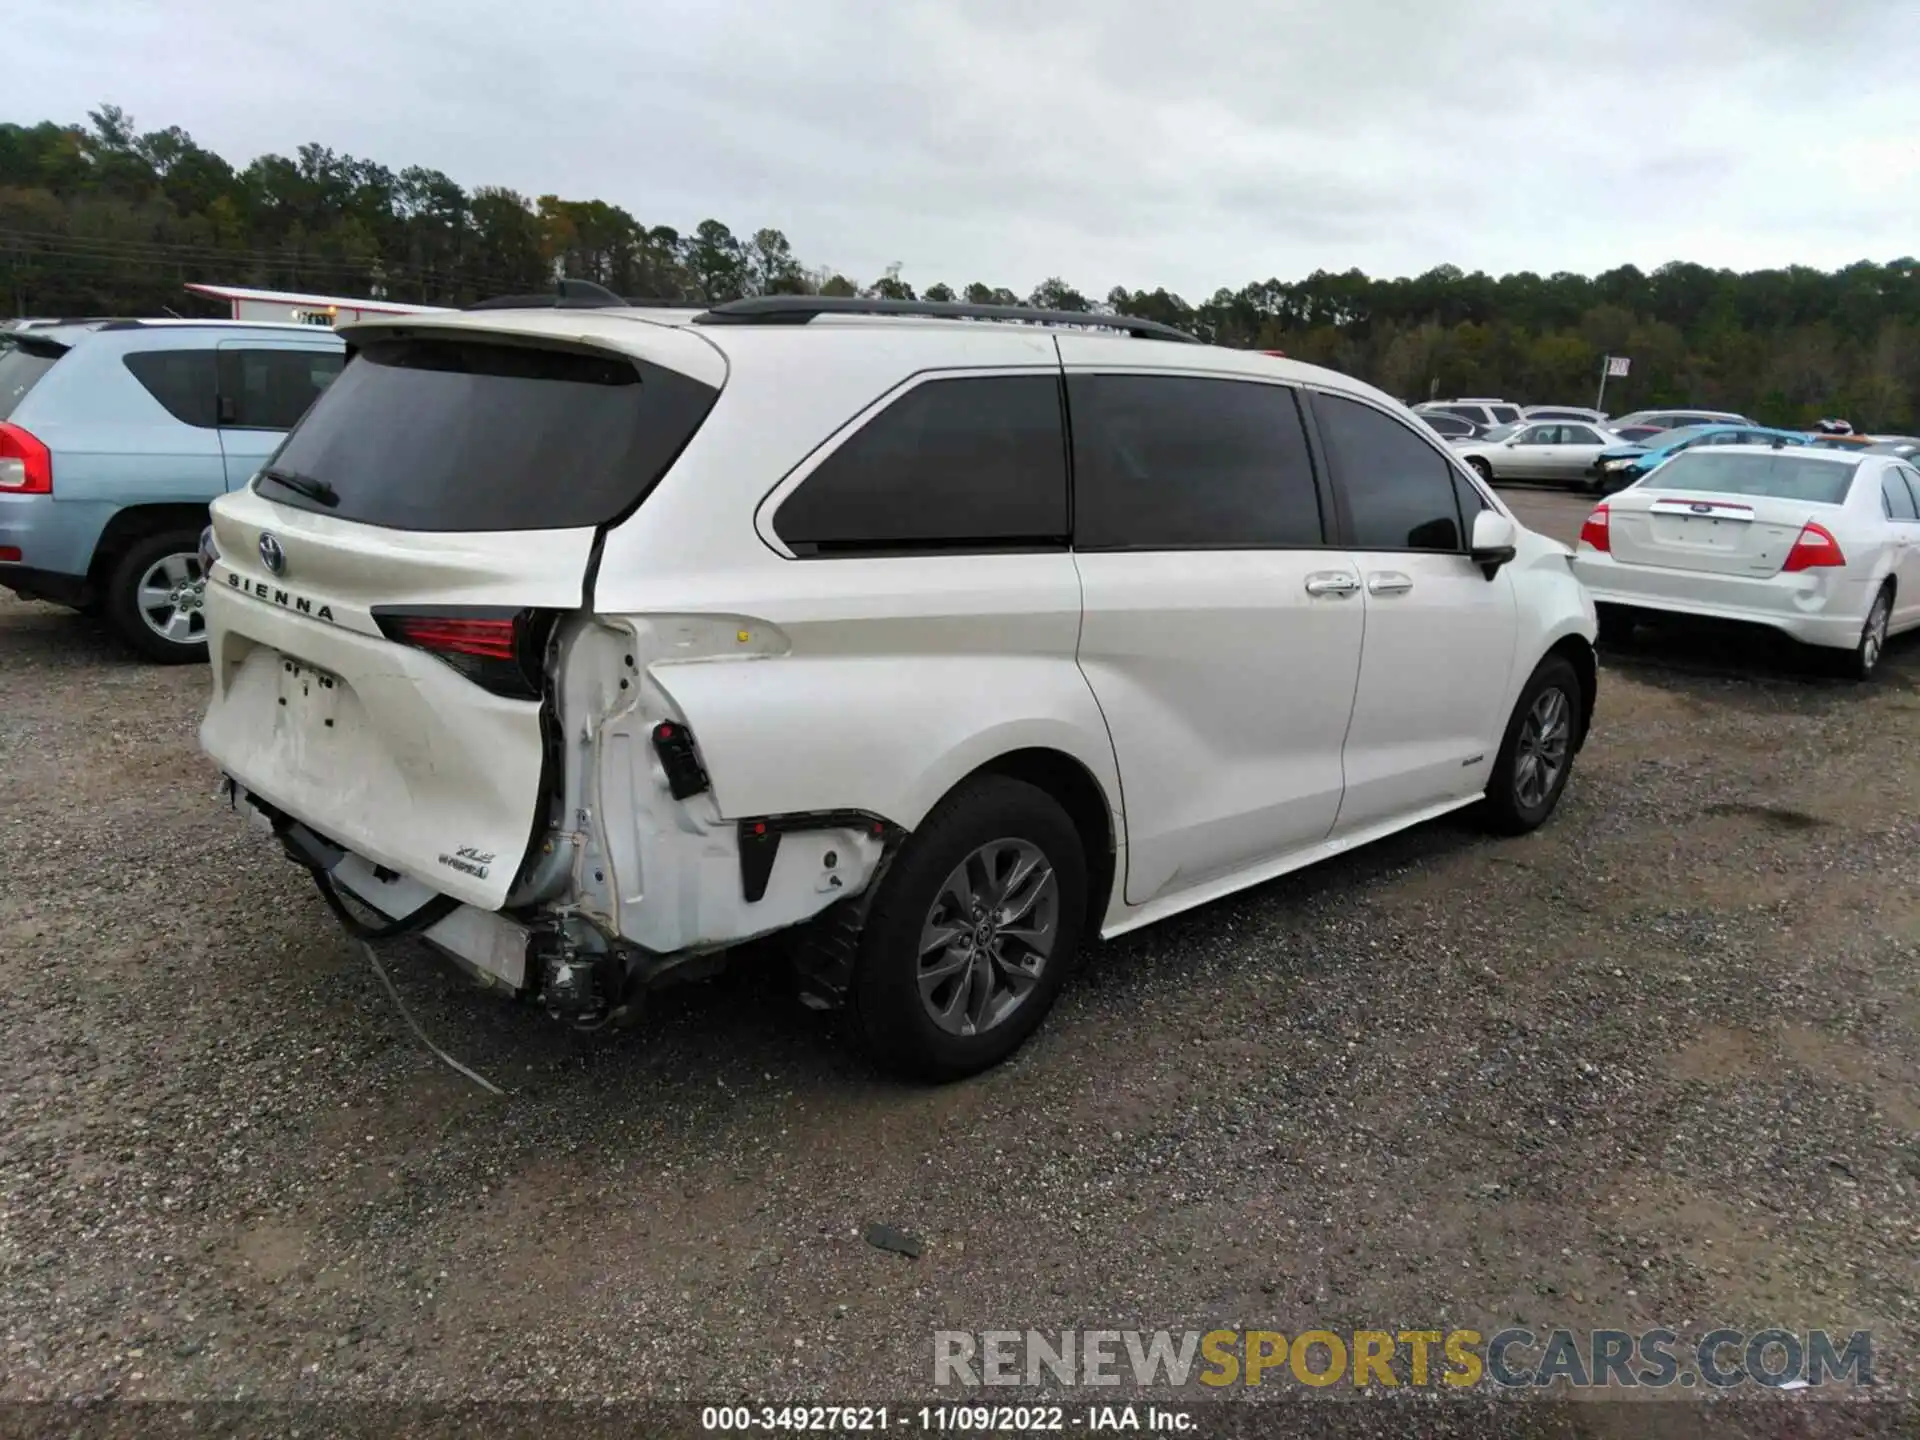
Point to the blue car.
(1619, 467)
(114, 437)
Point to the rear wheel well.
(1071, 784)
(131, 525)
(1578, 653)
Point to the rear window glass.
(1782, 475)
(469, 435)
(21, 367)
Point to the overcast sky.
(1185, 143)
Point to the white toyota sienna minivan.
(587, 640)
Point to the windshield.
(22, 362)
(1780, 475)
(1500, 432)
(454, 435)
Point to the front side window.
(272, 389)
(975, 462)
(181, 380)
(1167, 462)
(1399, 489)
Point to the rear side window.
(272, 389)
(1895, 499)
(21, 366)
(1504, 414)
(976, 462)
(456, 435)
(1399, 489)
(1165, 462)
(181, 380)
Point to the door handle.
(1389, 582)
(1332, 582)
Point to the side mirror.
(1493, 537)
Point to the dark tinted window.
(1504, 414)
(181, 380)
(272, 389)
(1445, 424)
(468, 435)
(1897, 502)
(1162, 461)
(954, 464)
(1399, 489)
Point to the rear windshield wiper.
(307, 485)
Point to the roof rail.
(567, 295)
(799, 309)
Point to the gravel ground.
(1657, 1064)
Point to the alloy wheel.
(1541, 757)
(988, 936)
(170, 599)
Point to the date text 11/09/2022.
(960, 1419)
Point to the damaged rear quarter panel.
(896, 679)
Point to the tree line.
(106, 219)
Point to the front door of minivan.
(265, 386)
(1433, 694)
(1220, 635)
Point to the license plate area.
(309, 695)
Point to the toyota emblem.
(271, 555)
(1697, 509)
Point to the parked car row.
(1602, 458)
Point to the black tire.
(1481, 468)
(121, 604)
(891, 1021)
(1616, 624)
(1506, 810)
(1863, 661)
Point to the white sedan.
(1562, 450)
(1821, 545)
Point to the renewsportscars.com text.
(1449, 1359)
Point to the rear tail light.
(499, 650)
(26, 467)
(1816, 549)
(1596, 531)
